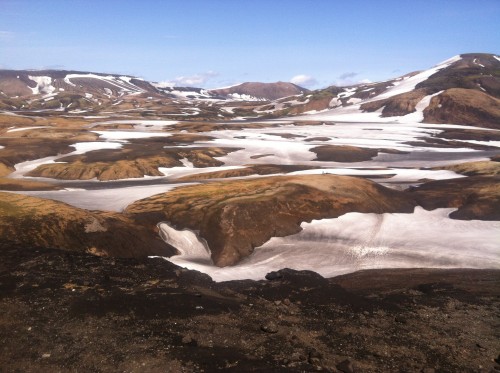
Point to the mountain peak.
(261, 91)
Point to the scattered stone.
(273, 276)
(188, 340)
(45, 356)
(346, 366)
(314, 357)
(269, 327)
(400, 320)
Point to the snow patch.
(477, 63)
(25, 128)
(189, 245)
(357, 241)
(125, 135)
(111, 199)
(43, 84)
(408, 83)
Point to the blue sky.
(211, 43)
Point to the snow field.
(356, 241)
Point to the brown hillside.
(464, 106)
(235, 217)
(34, 222)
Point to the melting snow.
(26, 128)
(477, 63)
(43, 84)
(110, 199)
(125, 135)
(408, 84)
(356, 241)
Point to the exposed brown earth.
(435, 142)
(132, 161)
(318, 102)
(264, 169)
(464, 106)
(5, 170)
(468, 134)
(196, 126)
(54, 134)
(481, 168)
(347, 153)
(235, 217)
(20, 184)
(76, 312)
(402, 104)
(36, 222)
(25, 149)
(286, 135)
(476, 197)
(467, 73)
(7, 121)
(270, 91)
(319, 138)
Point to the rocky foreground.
(68, 311)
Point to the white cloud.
(350, 78)
(348, 75)
(195, 80)
(304, 80)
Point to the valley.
(261, 195)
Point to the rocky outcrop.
(235, 217)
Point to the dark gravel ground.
(70, 312)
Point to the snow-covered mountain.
(56, 89)
(464, 89)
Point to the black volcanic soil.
(68, 312)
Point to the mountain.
(50, 82)
(81, 89)
(253, 91)
(462, 90)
